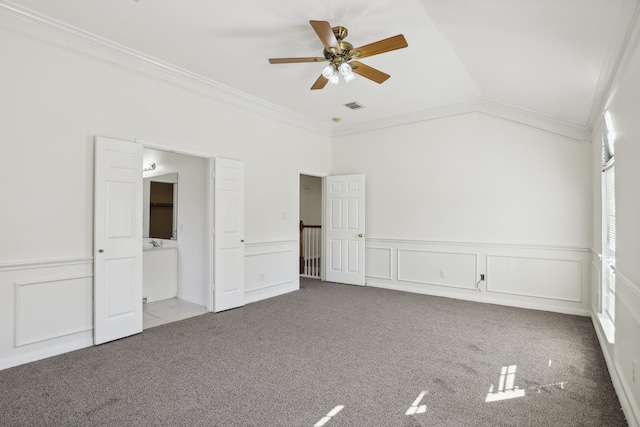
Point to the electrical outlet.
(443, 274)
(261, 276)
(482, 277)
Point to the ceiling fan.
(340, 55)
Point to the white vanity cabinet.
(160, 273)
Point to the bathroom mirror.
(160, 207)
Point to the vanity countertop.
(158, 248)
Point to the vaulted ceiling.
(547, 62)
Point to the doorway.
(119, 245)
(310, 252)
(175, 209)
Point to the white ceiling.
(547, 58)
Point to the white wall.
(53, 104)
(193, 250)
(453, 198)
(624, 351)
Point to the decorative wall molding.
(619, 354)
(628, 293)
(571, 131)
(46, 263)
(596, 284)
(617, 57)
(269, 243)
(44, 307)
(384, 255)
(481, 244)
(271, 269)
(537, 287)
(555, 278)
(465, 272)
(625, 402)
(56, 33)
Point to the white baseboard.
(270, 292)
(80, 341)
(630, 408)
(477, 297)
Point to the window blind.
(610, 240)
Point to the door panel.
(344, 201)
(120, 274)
(229, 235)
(353, 255)
(117, 240)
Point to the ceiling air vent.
(354, 106)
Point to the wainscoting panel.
(39, 316)
(378, 263)
(596, 284)
(627, 342)
(550, 278)
(535, 277)
(46, 308)
(271, 269)
(457, 270)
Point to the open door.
(344, 238)
(117, 239)
(229, 234)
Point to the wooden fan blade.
(369, 72)
(381, 46)
(325, 33)
(320, 83)
(292, 60)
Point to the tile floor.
(169, 310)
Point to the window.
(608, 222)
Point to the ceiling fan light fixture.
(345, 69)
(339, 52)
(347, 72)
(328, 71)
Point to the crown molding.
(56, 33)
(573, 131)
(616, 59)
(31, 24)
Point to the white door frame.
(210, 203)
(321, 175)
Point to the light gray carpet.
(290, 360)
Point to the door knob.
(101, 250)
(360, 235)
(242, 241)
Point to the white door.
(229, 234)
(117, 239)
(344, 238)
